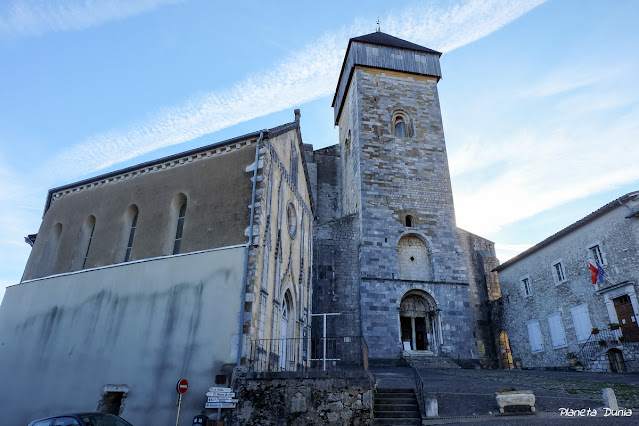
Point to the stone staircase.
(427, 359)
(397, 407)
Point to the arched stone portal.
(419, 322)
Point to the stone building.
(189, 265)
(549, 304)
(388, 256)
(144, 275)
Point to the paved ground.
(469, 395)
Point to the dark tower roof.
(382, 39)
(382, 51)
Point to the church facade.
(228, 254)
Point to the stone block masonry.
(337, 398)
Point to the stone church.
(230, 254)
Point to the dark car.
(82, 419)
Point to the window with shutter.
(534, 336)
(557, 333)
(581, 319)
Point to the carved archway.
(420, 328)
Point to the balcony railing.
(299, 354)
(604, 340)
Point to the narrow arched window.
(84, 244)
(50, 253)
(400, 127)
(127, 233)
(129, 244)
(180, 228)
(409, 221)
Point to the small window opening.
(129, 244)
(412, 259)
(180, 228)
(400, 127)
(409, 221)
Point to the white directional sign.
(214, 389)
(221, 394)
(215, 399)
(219, 405)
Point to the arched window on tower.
(400, 127)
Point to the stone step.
(408, 406)
(395, 390)
(395, 422)
(392, 401)
(395, 395)
(397, 414)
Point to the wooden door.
(627, 318)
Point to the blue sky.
(539, 98)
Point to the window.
(180, 228)
(400, 127)
(291, 218)
(409, 221)
(129, 244)
(86, 253)
(401, 124)
(595, 255)
(581, 320)
(127, 231)
(65, 421)
(526, 287)
(84, 244)
(558, 274)
(534, 336)
(557, 333)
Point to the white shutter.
(581, 319)
(557, 333)
(534, 336)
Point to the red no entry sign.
(182, 386)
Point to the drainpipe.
(246, 253)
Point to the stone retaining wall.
(302, 398)
(630, 352)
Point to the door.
(420, 333)
(407, 331)
(627, 318)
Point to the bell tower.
(395, 180)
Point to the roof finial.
(379, 29)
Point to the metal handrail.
(596, 343)
(419, 388)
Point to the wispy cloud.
(303, 76)
(22, 18)
(538, 169)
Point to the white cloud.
(303, 76)
(22, 18)
(539, 169)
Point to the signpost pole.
(178, 413)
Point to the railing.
(421, 393)
(299, 354)
(602, 341)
